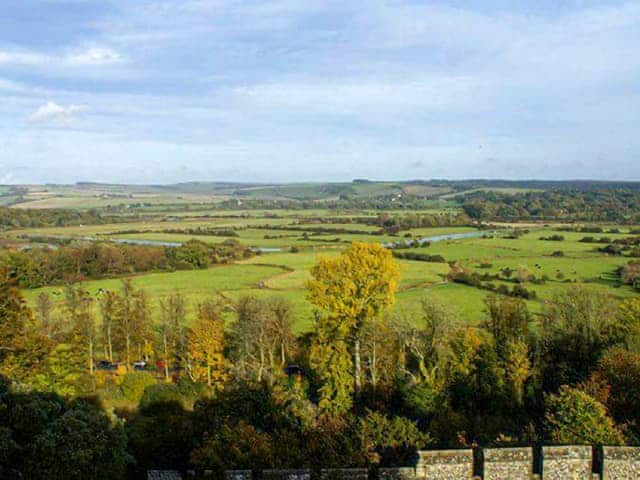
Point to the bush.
(133, 385)
(575, 418)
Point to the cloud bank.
(287, 90)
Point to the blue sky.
(160, 91)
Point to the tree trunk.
(110, 344)
(166, 357)
(91, 356)
(374, 365)
(128, 350)
(357, 368)
(261, 369)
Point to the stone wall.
(238, 475)
(620, 463)
(567, 463)
(286, 474)
(400, 473)
(558, 463)
(344, 474)
(445, 464)
(511, 463)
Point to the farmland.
(292, 242)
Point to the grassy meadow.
(284, 272)
(291, 246)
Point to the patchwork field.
(283, 273)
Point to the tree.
(261, 337)
(354, 288)
(142, 325)
(395, 440)
(331, 360)
(108, 309)
(172, 331)
(619, 369)
(78, 304)
(44, 309)
(14, 316)
(235, 446)
(125, 321)
(575, 418)
(577, 327)
(425, 346)
(518, 369)
(53, 438)
(22, 349)
(206, 344)
(629, 319)
(508, 321)
(282, 327)
(133, 323)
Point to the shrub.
(133, 385)
(575, 418)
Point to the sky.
(164, 91)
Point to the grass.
(284, 273)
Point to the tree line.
(52, 217)
(40, 266)
(592, 205)
(229, 384)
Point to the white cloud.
(94, 56)
(432, 93)
(54, 113)
(74, 58)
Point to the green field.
(169, 213)
(284, 273)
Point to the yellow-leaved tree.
(350, 291)
(206, 345)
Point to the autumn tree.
(142, 325)
(172, 336)
(78, 305)
(424, 336)
(133, 329)
(14, 316)
(206, 344)
(22, 349)
(508, 321)
(125, 322)
(350, 291)
(282, 327)
(575, 418)
(251, 337)
(108, 311)
(261, 338)
(577, 327)
(330, 357)
(44, 310)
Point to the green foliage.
(575, 418)
(44, 266)
(134, 384)
(235, 446)
(578, 326)
(598, 204)
(46, 437)
(26, 218)
(394, 439)
(619, 371)
(161, 435)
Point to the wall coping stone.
(620, 463)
